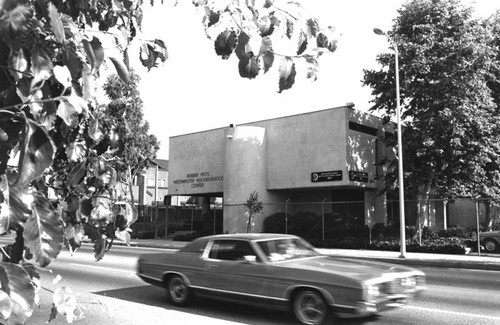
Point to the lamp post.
(400, 146)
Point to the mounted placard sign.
(356, 176)
(328, 176)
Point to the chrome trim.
(238, 293)
(147, 276)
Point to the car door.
(230, 274)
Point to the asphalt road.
(109, 292)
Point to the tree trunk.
(488, 220)
(425, 217)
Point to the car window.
(231, 250)
(286, 249)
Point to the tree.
(254, 206)
(130, 142)
(451, 121)
(57, 174)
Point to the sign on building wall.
(356, 176)
(198, 179)
(328, 176)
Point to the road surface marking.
(456, 313)
(101, 268)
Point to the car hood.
(359, 269)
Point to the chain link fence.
(316, 220)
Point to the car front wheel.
(177, 291)
(491, 246)
(310, 308)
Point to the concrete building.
(150, 187)
(323, 156)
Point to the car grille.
(399, 286)
(393, 287)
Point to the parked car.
(490, 241)
(279, 271)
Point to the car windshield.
(286, 249)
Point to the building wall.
(196, 163)
(288, 158)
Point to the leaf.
(76, 151)
(249, 66)
(89, 85)
(41, 64)
(124, 236)
(22, 292)
(95, 131)
(312, 27)
(4, 204)
(62, 74)
(302, 43)
(100, 247)
(20, 200)
(225, 44)
(312, 67)
(324, 41)
(77, 173)
(37, 153)
(72, 61)
(64, 300)
(18, 64)
(69, 108)
(56, 24)
(5, 305)
(98, 53)
(74, 236)
(43, 232)
(18, 17)
(240, 50)
(121, 69)
(89, 51)
(287, 74)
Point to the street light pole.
(400, 146)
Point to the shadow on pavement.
(156, 297)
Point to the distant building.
(150, 187)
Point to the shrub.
(429, 233)
(456, 231)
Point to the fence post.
(445, 216)
(477, 225)
(156, 220)
(286, 216)
(215, 214)
(323, 219)
(192, 218)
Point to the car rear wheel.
(178, 292)
(310, 308)
(491, 246)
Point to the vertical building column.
(244, 172)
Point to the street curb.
(432, 263)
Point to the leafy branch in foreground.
(56, 174)
(260, 34)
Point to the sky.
(195, 90)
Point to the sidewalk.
(471, 261)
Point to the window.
(231, 250)
(150, 182)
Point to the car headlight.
(409, 282)
(373, 291)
